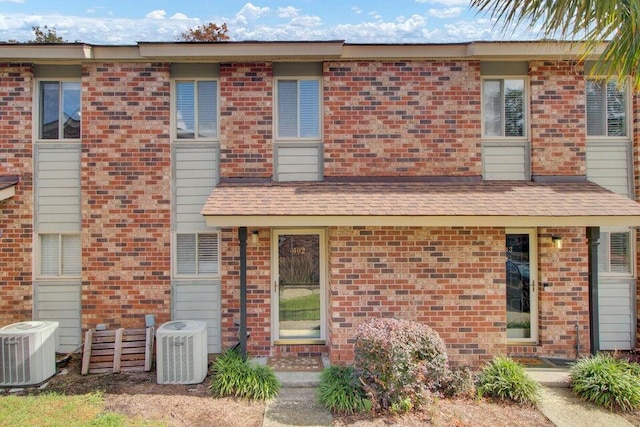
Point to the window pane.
(287, 108)
(207, 254)
(185, 110)
(207, 109)
(71, 110)
(616, 110)
(309, 109)
(492, 107)
(595, 108)
(49, 255)
(620, 253)
(186, 254)
(71, 256)
(49, 110)
(513, 108)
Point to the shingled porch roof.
(8, 186)
(485, 203)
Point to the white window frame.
(276, 121)
(632, 252)
(61, 260)
(197, 275)
(174, 110)
(38, 111)
(628, 110)
(525, 109)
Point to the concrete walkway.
(563, 408)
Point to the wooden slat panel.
(118, 350)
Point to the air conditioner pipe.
(577, 341)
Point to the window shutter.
(49, 254)
(207, 109)
(186, 254)
(288, 108)
(309, 105)
(208, 254)
(185, 110)
(71, 255)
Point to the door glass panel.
(518, 287)
(299, 286)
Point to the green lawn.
(55, 410)
(300, 308)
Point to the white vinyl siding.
(298, 162)
(57, 192)
(505, 161)
(609, 165)
(504, 108)
(199, 300)
(196, 109)
(60, 302)
(298, 109)
(196, 173)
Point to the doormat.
(295, 363)
(531, 362)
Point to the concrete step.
(550, 377)
(296, 407)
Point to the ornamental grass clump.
(232, 375)
(400, 364)
(505, 379)
(607, 381)
(340, 391)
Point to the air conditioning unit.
(27, 353)
(181, 352)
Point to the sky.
(118, 22)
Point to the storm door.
(522, 287)
(298, 286)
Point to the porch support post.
(593, 234)
(242, 237)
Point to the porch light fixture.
(254, 237)
(557, 241)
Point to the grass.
(300, 308)
(340, 391)
(56, 410)
(234, 376)
(505, 379)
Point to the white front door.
(298, 286)
(522, 285)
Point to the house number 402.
(299, 251)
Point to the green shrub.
(607, 381)
(505, 379)
(400, 363)
(232, 375)
(341, 392)
(459, 382)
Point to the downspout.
(242, 237)
(593, 235)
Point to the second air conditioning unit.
(181, 352)
(27, 353)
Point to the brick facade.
(380, 119)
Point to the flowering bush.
(400, 363)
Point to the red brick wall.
(246, 120)
(126, 205)
(452, 279)
(558, 126)
(402, 118)
(16, 213)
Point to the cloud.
(306, 21)
(450, 12)
(288, 12)
(356, 10)
(180, 16)
(250, 13)
(156, 14)
(12, 1)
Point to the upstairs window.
(196, 109)
(503, 108)
(298, 109)
(197, 254)
(60, 110)
(60, 255)
(606, 109)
